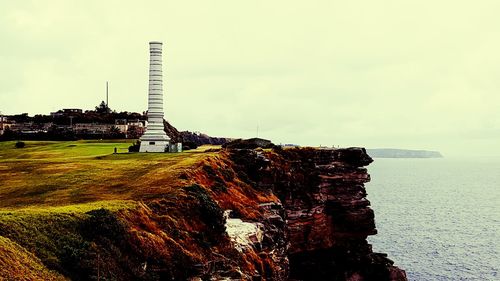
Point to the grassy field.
(48, 174)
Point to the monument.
(155, 139)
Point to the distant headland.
(402, 153)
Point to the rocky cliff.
(327, 215)
(228, 214)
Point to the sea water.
(438, 219)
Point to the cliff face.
(327, 215)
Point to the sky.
(402, 74)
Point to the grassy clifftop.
(75, 210)
(64, 173)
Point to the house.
(92, 128)
(66, 112)
(72, 110)
(137, 123)
(122, 125)
(4, 124)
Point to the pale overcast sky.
(406, 74)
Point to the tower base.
(160, 146)
(155, 146)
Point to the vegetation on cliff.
(79, 211)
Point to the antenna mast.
(107, 104)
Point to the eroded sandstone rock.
(328, 216)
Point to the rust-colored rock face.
(335, 208)
(328, 217)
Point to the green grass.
(64, 173)
(112, 205)
(18, 264)
(59, 150)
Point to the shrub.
(103, 223)
(135, 147)
(20, 144)
(210, 212)
(189, 145)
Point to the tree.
(102, 108)
(133, 132)
(8, 134)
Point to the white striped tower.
(155, 139)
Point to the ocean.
(438, 219)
